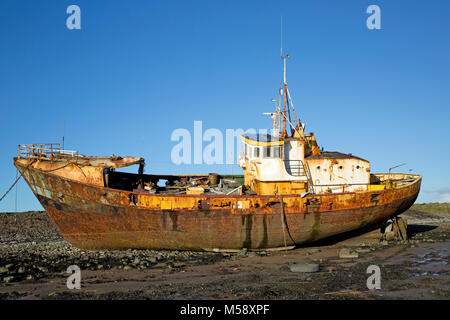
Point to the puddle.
(430, 263)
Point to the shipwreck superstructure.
(290, 193)
(292, 163)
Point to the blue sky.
(138, 70)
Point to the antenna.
(64, 124)
(287, 100)
(281, 36)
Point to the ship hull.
(94, 217)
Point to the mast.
(283, 91)
(287, 101)
(288, 105)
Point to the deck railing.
(294, 167)
(44, 150)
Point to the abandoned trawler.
(291, 193)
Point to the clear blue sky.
(137, 70)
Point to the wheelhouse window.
(257, 152)
(272, 152)
(261, 151)
(276, 152)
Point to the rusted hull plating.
(93, 217)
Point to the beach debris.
(395, 229)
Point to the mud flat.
(34, 258)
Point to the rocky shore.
(32, 248)
(34, 259)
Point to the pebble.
(243, 252)
(304, 267)
(347, 254)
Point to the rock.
(389, 236)
(304, 267)
(243, 252)
(100, 266)
(362, 250)
(43, 269)
(9, 266)
(8, 279)
(127, 267)
(314, 250)
(347, 254)
(384, 243)
(3, 270)
(251, 254)
(153, 259)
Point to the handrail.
(309, 177)
(300, 170)
(295, 166)
(43, 150)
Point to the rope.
(284, 223)
(11, 187)
(17, 180)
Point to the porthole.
(340, 167)
(357, 167)
(318, 167)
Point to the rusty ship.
(291, 192)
